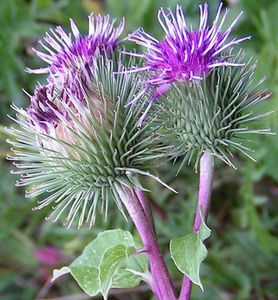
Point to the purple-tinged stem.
(162, 285)
(148, 212)
(185, 289)
(205, 188)
(146, 206)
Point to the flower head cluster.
(184, 54)
(78, 143)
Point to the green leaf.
(189, 252)
(109, 266)
(87, 277)
(134, 267)
(108, 261)
(137, 264)
(132, 271)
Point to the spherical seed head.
(212, 116)
(91, 153)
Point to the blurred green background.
(243, 249)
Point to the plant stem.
(205, 188)
(146, 206)
(148, 212)
(162, 285)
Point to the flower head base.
(185, 54)
(212, 116)
(92, 153)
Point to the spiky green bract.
(93, 153)
(211, 115)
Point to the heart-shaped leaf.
(108, 261)
(189, 252)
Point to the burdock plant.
(102, 120)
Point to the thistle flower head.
(213, 115)
(185, 54)
(92, 153)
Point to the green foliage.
(146, 12)
(189, 252)
(109, 261)
(20, 22)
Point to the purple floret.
(70, 58)
(42, 110)
(65, 54)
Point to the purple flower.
(184, 54)
(42, 110)
(64, 54)
(70, 58)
